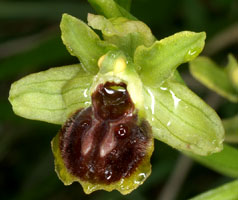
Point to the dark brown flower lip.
(104, 150)
(111, 104)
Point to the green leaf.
(231, 129)
(224, 162)
(38, 96)
(226, 192)
(125, 34)
(181, 119)
(110, 9)
(83, 42)
(158, 62)
(214, 77)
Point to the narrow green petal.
(224, 162)
(214, 77)
(158, 62)
(125, 34)
(181, 119)
(82, 42)
(38, 96)
(110, 9)
(231, 129)
(227, 191)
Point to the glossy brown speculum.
(104, 143)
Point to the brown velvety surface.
(104, 143)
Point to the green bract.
(231, 129)
(224, 81)
(131, 55)
(222, 162)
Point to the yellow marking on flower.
(100, 60)
(120, 65)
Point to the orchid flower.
(125, 92)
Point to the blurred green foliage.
(30, 42)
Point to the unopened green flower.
(125, 92)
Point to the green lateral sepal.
(39, 96)
(181, 119)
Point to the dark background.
(30, 42)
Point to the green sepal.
(38, 96)
(227, 191)
(158, 62)
(125, 34)
(182, 120)
(224, 162)
(82, 42)
(214, 77)
(124, 185)
(110, 9)
(231, 129)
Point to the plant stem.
(176, 179)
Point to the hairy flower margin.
(132, 62)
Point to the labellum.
(103, 143)
(106, 142)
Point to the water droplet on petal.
(191, 52)
(121, 130)
(175, 98)
(108, 174)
